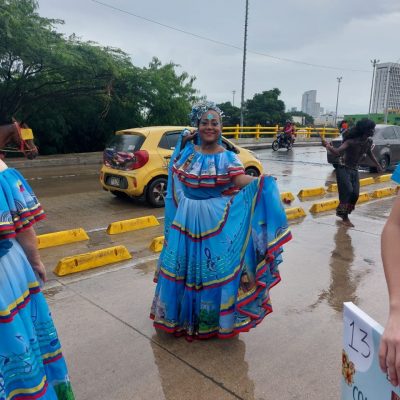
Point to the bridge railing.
(259, 131)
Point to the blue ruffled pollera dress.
(222, 247)
(31, 362)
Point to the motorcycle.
(282, 141)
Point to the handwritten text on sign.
(362, 379)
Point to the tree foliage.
(75, 94)
(231, 114)
(265, 109)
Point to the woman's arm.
(375, 161)
(242, 180)
(28, 241)
(336, 151)
(389, 353)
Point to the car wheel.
(157, 191)
(275, 145)
(252, 171)
(384, 163)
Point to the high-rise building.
(386, 88)
(309, 103)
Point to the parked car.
(135, 162)
(386, 148)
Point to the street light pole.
(244, 64)
(339, 79)
(387, 94)
(374, 62)
(233, 97)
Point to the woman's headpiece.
(199, 109)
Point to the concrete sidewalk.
(114, 353)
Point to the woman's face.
(209, 127)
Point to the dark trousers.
(349, 189)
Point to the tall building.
(386, 88)
(309, 103)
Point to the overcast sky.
(337, 33)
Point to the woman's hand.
(41, 270)
(389, 352)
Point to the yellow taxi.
(135, 162)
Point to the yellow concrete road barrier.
(288, 196)
(157, 244)
(132, 224)
(367, 181)
(311, 192)
(295, 213)
(326, 205)
(385, 192)
(61, 237)
(95, 259)
(363, 182)
(383, 178)
(364, 197)
(332, 187)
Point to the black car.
(386, 148)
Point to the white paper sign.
(362, 378)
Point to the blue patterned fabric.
(222, 248)
(396, 174)
(31, 361)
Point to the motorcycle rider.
(289, 132)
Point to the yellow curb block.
(132, 224)
(385, 192)
(332, 187)
(95, 259)
(363, 182)
(287, 196)
(367, 181)
(295, 212)
(324, 206)
(310, 192)
(157, 244)
(383, 178)
(61, 237)
(364, 197)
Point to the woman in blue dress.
(224, 232)
(32, 365)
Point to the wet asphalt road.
(102, 315)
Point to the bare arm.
(389, 354)
(336, 151)
(375, 161)
(28, 241)
(242, 180)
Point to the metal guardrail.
(259, 131)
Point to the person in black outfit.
(357, 143)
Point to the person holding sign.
(389, 354)
(357, 143)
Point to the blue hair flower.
(199, 109)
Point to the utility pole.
(233, 97)
(373, 62)
(387, 94)
(339, 79)
(244, 64)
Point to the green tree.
(231, 113)
(167, 94)
(265, 108)
(76, 94)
